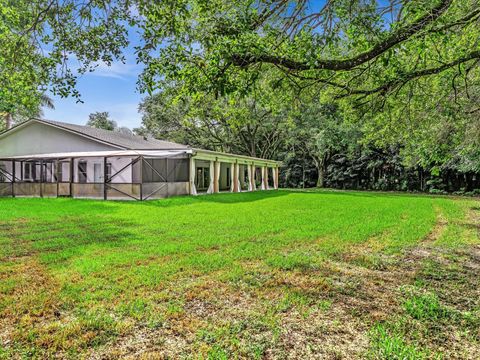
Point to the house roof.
(127, 141)
(117, 139)
(129, 144)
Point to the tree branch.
(394, 39)
(392, 84)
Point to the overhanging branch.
(394, 83)
(347, 64)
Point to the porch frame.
(214, 158)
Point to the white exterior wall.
(117, 164)
(37, 138)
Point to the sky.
(108, 88)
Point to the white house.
(51, 159)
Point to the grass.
(276, 274)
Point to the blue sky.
(108, 88)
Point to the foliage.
(43, 39)
(101, 120)
(351, 48)
(255, 125)
(349, 94)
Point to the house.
(52, 159)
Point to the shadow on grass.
(223, 198)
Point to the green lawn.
(279, 274)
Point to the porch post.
(216, 176)
(249, 174)
(254, 174)
(57, 173)
(141, 178)
(275, 177)
(212, 175)
(104, 178)
(71, 177)
(13, 178)
(41, 178)
(266, 178)
(241, 177)
(262, 170)
(235, 179)
(193, 170)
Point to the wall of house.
(36, 138)
(117, 164)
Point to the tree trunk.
(321, 177)
(320, 165)
(303, 176)
(8, 120)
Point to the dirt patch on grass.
(29, 304)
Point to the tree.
(353, 48)
(40, 39)
(254, 125)
(23, 114)
(101, 120)
(323, 133)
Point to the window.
(82, 172)
(202, 181)
(29, 171)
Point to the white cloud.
(116, 69)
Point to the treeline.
(324, 145)
(348, 94)
(376, 169)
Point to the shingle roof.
(126, 141)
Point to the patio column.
(216, 176)
(193, 170)
(57, 173)
(275, 178)
(262, 170)
(249, 174)
(13, 178)
(105, 192)
(235, 179)
(232, 175)
(266, 178)
(212, 175)
(252, 179)
(71, 177)
(41, 177)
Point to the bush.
(437, 192)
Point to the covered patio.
(134, 175)
(212, 172)
(122, 175)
